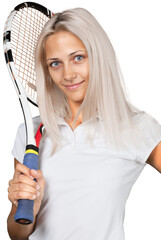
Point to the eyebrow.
(68, 55)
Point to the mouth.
(74, 86)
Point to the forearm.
(22, 186)
(18, 231)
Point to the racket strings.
(26, 27)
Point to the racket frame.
(24, 213)
(24, 98)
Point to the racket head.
(21, 32)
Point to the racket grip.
(24, 213)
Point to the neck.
(74, 106)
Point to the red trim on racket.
(38, 135)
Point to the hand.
(22, 186)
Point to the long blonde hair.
(106, 96)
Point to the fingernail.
(34, 171)
(37, 187)
(33, 196)
(31, 177)
(38, 193)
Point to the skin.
(68, 64)
(70, 67)
(70, 71)
(22, 186)
(155, 158)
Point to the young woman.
(95, 145)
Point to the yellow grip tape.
(31, 151)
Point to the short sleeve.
(18, 150)
(19, 147)
(151, 130)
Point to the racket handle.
(24, 213)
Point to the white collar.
(61, 121)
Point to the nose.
(69, 73)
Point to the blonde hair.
(106, 96)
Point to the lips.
(74, 86)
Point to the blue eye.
(54, 64)
(79, 57)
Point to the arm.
(155, 158)
(18, 231)
(22, 186)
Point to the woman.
(95, 145)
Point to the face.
(68, 65)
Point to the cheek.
(55, 76)
(87, 71)
(84, 71)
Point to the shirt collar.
(61, 121)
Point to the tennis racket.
(21, 32)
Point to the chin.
(76, 100)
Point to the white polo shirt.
(86, 188)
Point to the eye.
(54, 64)
(79, 58)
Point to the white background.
(134, 28)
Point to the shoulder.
(141, 117)
(150, 129)
(36, 122)
(145, 121)
(150, 138)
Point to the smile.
(75, 86)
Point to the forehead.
(63, 40)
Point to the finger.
(25, 188)
(23, 179)
(37, 174)
(39, 179)
(24, 195)
(21, 168)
